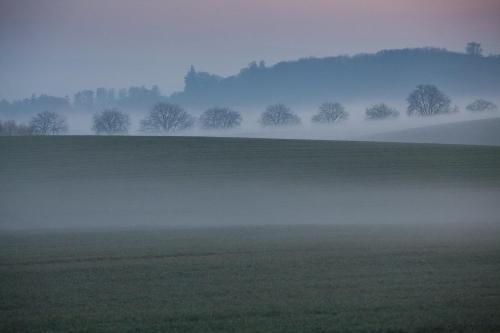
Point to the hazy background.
(59, 47)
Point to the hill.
(171, 181)
(312, 236)
(471, 132)
(383, 76)
(389, 74)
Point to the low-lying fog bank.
(354, 127)
(471, 132)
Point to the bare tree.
(165, 117)
(428, 100)
(381, 111)
(220, 118)
(48, 123)
(110, 122)
(474, 49)
(278, 115)
(481, 105)
(330, 113)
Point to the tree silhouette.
(48, 123)
(381, 111)
(165, 117)
(111, 121)
(220, 118)
(428, 100)
(278, 115)
(481, 105)
(474, 49)
(330, 113)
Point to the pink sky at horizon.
(117, 43)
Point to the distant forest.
(133, 98)
(388, 74)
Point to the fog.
(356, 127)
(250, 166)
(89, 205)
(357, 82)
(80, 182)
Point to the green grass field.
(135, 234)
(437, 278)
(69, 182)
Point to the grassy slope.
(82, 181)
(62, 158)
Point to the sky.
(61, 46)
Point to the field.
(71, 182)
(253, 279)
(247, 235)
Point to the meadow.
(148, 234)
(427, 278)
(72, 182)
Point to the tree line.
(425, 100)
(87, 100)
(363, 76)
